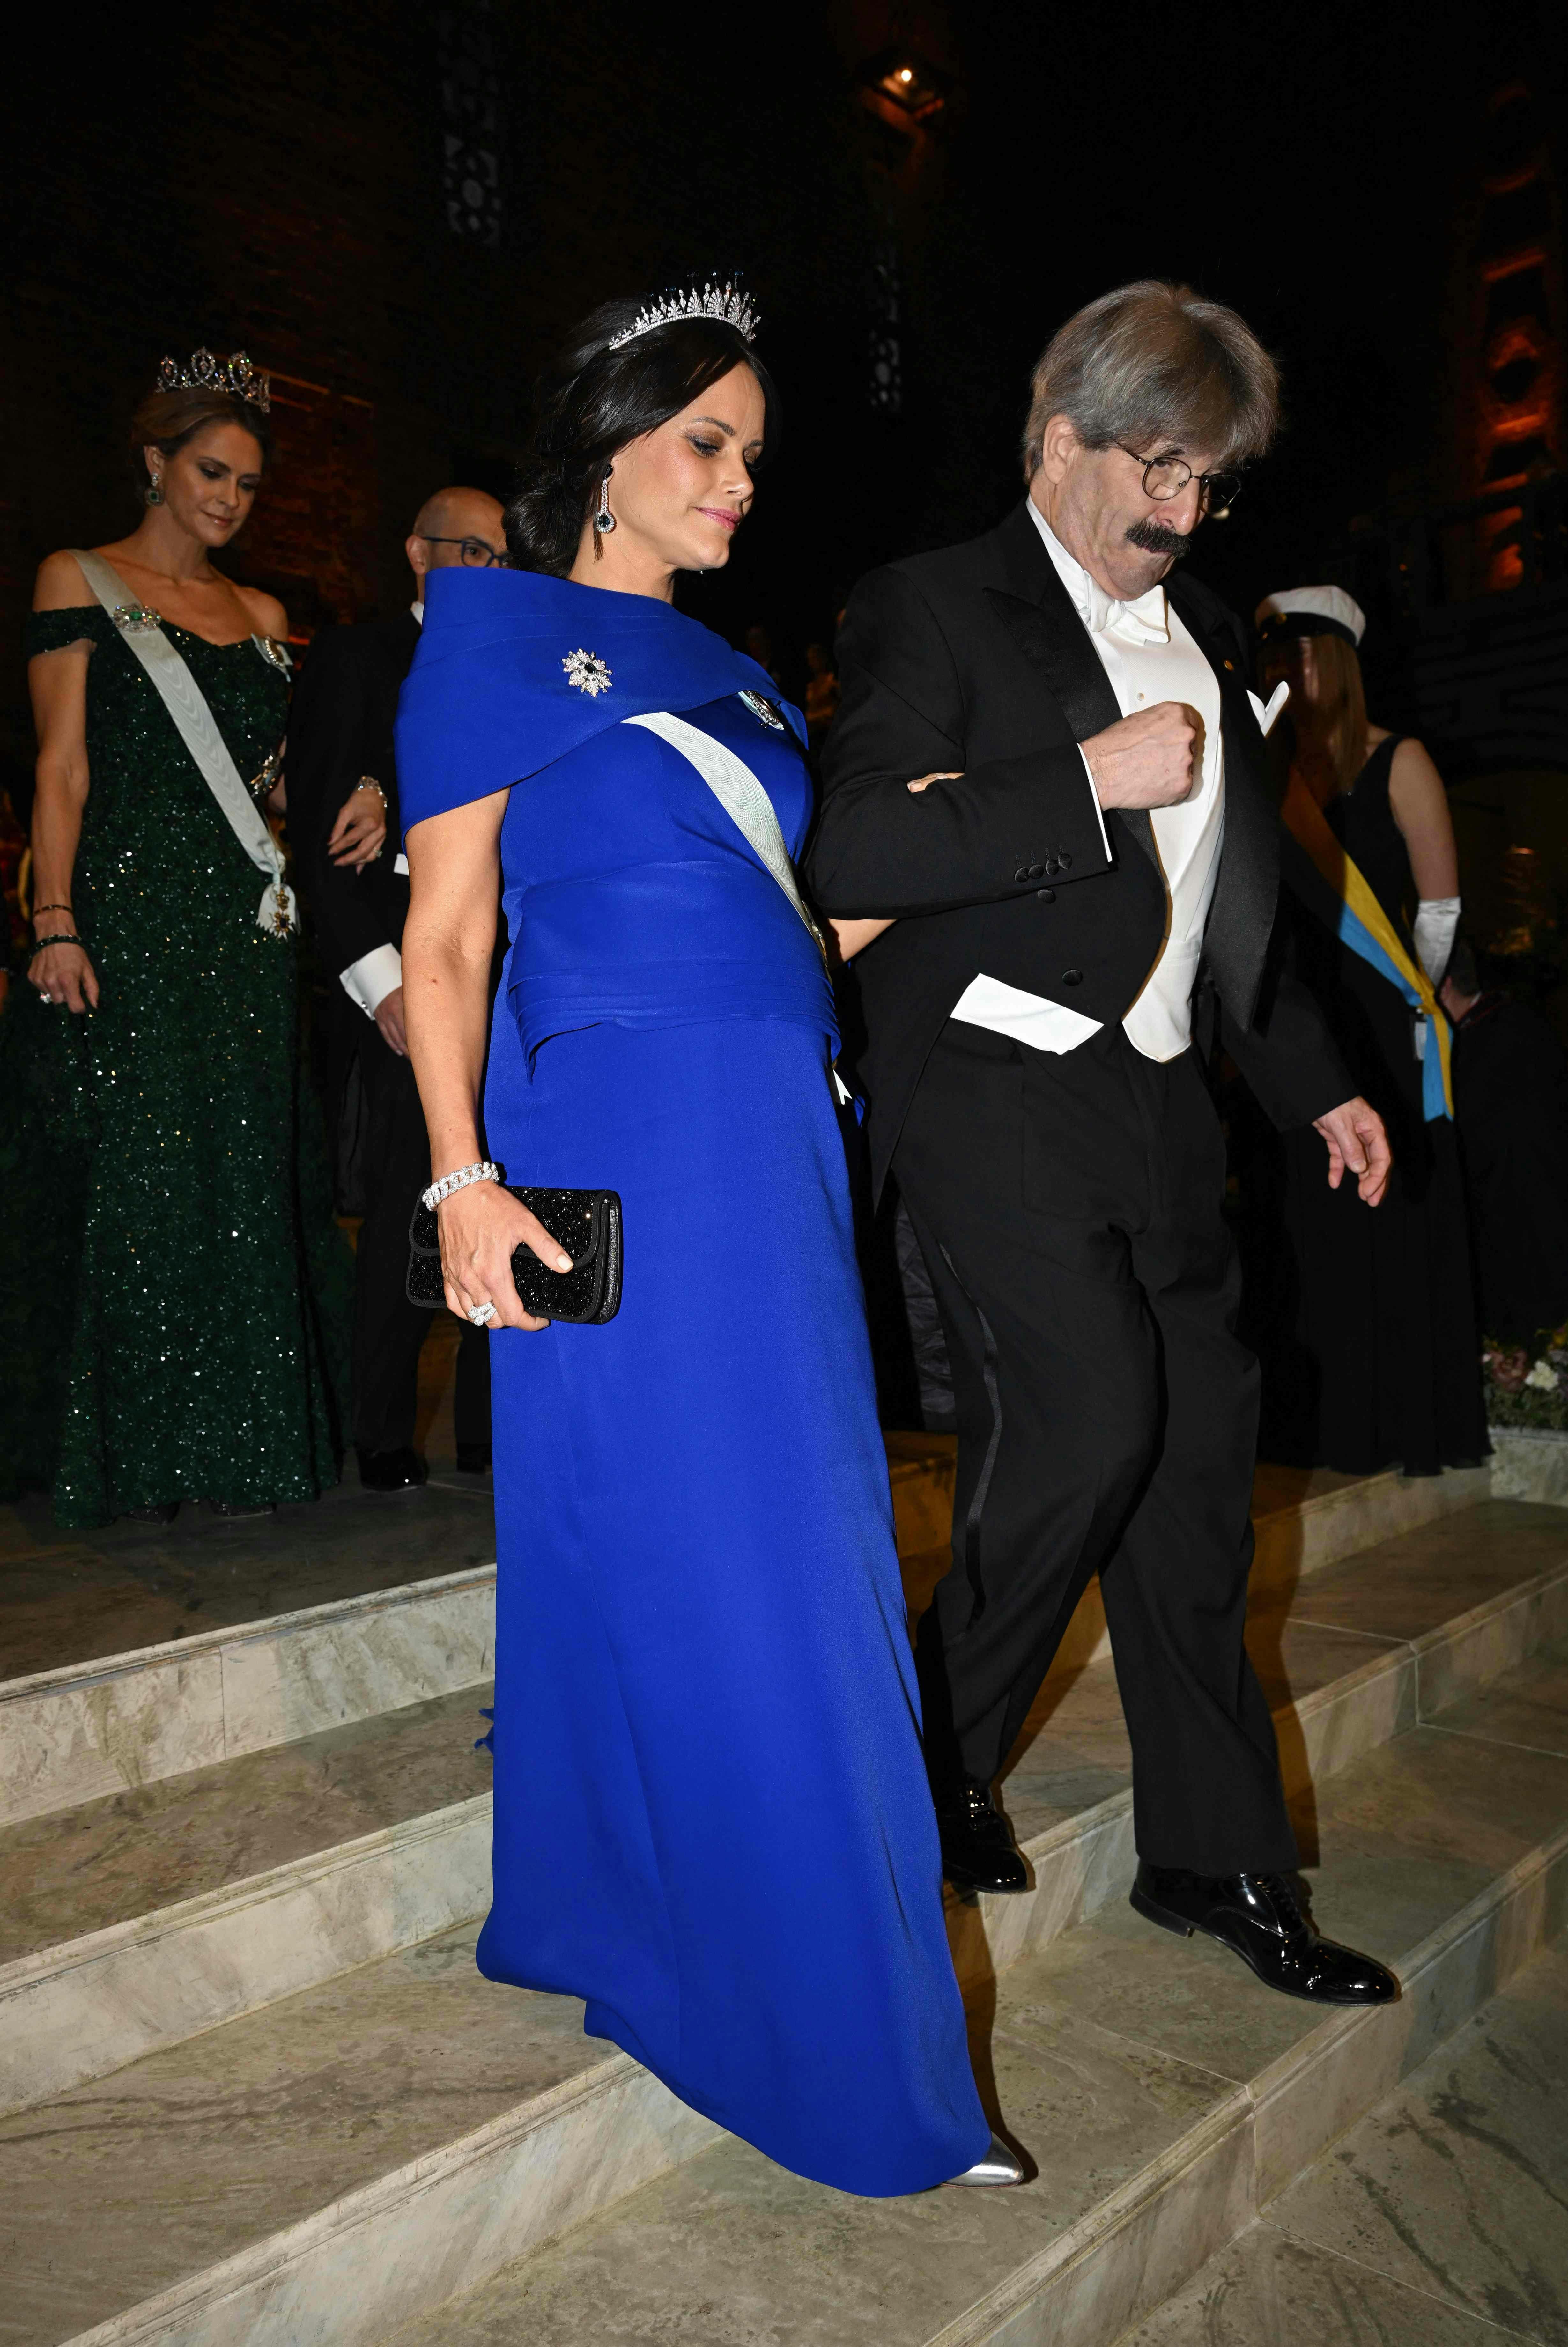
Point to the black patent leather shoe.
(1259, 1918)
(390, 1471)
(978, 1852)
(473, 1457)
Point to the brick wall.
(271, 180)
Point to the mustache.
(1153, 537)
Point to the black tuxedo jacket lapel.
(1241, 917)
(1037, 613)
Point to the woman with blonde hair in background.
(1379, 1367)
(175, 1292)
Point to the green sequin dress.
(175, 1296)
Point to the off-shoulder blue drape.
(712, 1819)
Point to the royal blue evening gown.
(712, 1816)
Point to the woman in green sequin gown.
(176, 1294)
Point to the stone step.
(135, 1920)
(131, 1921)
(130, 1720)
(1438, 2218)
(1164, 2099)
(388, 2137)
(1349, 1657)
(79, 1731)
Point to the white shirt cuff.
(1094, 802)
(372, 978)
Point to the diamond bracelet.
(459, 1181)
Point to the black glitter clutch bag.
(586, 1223)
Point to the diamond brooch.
(588, 673)
(760, 707)
(135, 618)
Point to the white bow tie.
(1142, 621)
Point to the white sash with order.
(740, 795)
(746, 803)
(183, 699)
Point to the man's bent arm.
(995, 831)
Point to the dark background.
(280, 180)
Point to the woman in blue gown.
(712, 1819)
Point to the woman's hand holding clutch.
(479, 1227)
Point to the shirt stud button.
(1072, 977)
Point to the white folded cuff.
(1436, 918)
(373, 977)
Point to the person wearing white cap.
(1380, 1365)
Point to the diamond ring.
(481, 1313)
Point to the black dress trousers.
(1070, 1209)
(388, 1331)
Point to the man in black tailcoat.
(340, 737)
(1047, 775)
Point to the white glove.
(1436, 918)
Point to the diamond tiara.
(726, 303)
(236, 376)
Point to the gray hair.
(1152, 365)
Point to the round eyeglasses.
(1167, 477)
(477, 554)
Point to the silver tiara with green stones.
(725, 302)
(236, 376)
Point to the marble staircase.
(257, 2091)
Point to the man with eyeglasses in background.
(1045, 749)
(340, 742)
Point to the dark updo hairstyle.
(592, 400)
(168, 419)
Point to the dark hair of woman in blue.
(594, 397)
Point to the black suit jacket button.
(1035, 871)
(1023, 873)
(1053, 867)
(1046, 895)
(1064, 861)
(1072, 977)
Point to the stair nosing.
(68, 1677)
(359, 2206)
(62, 1956)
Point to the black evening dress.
(1374, 1359)
(174, 1292)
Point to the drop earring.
(604, 520)
(155, 491)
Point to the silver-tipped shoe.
(1000, 2166)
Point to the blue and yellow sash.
(1363, 926)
